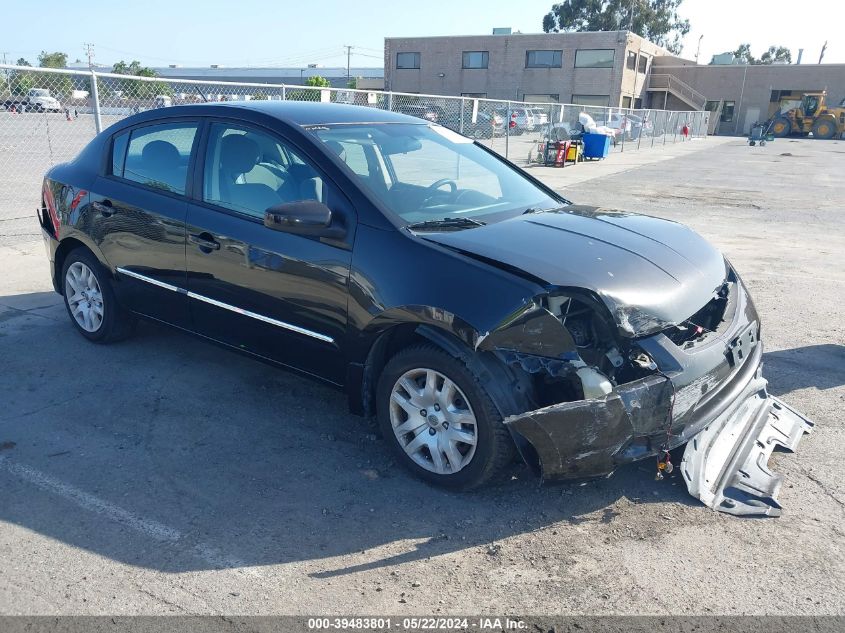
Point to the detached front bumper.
(713, 392)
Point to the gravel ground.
(165, 476)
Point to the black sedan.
(473, 310)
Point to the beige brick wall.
(506, 77)
(750, 87)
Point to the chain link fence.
(48, 115)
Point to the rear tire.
(461, 424)
(781, 127)
(90, 301)
(824, 128)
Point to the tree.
(139, 89)
(655, 20)
(743, 54)
(352, 83)
(317, 82)
(776, 54)
(59, 85)
(20, 82)
(52, 60)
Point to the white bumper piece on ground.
(726, 465)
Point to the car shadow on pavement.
(820, 366)
(168, 453)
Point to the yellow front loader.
(813, 115)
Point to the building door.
(752, 115)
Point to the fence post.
(95, 98)
(284, 92)
(390, 101)
(623, 122)
(508, 130)
(463, 104)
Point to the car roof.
(295, 113)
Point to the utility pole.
(348, 59)
(824, 48)
(698, 50)
(89, 51)
(631, 18)
(7, 73)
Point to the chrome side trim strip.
(231, 308)
(149, 280)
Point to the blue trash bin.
(596, 145)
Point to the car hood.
(651, 273)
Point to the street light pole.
(698, 50)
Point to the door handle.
(205, 242)
(104, 207)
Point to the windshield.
(427, 172)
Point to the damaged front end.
(614, 386)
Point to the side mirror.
(303, 217)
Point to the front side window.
(409, 61)
(425, 172)
(594, 58)
(158, 156)
(249, 171)
(543, 59)
(476, 59)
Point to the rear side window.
(156, 156)
(118, 153)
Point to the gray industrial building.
(368, 78)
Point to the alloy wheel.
(84, 297)
(433, 421)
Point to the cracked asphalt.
(163, 475)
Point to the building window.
(474, 95)
(476, 59)
(728, 111)
(407, 61)
(643, 63)
(543, 59)
(591, 100)
(594, 58)
(626, 102)
(540, 98)
(631, 64)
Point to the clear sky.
(296, 33)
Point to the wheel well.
(510, 393)
(385, 346)
(66, 246)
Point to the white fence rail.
(48, 115)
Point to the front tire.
(90, 300)
(440, 421)
(824, 128)
(781, 127)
